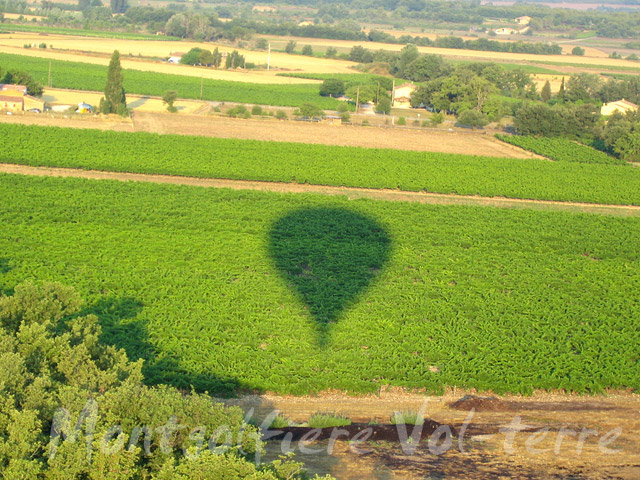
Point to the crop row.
(319, 164)
(83, 76)
(222, 289)
(560, 149)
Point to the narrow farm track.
(350, 192)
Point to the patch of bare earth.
(546, 436)
(317, 133)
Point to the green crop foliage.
(560, 149)
(83, 76)
(319, 164)
(501, 300)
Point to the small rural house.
(402, 95)
(622, 106)
(506, 31)
(175, 57)
(524, 20)
(264, 9)
(14, 98)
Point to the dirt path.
(350, 192)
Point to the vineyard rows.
(186, 278)
(561, 149)
(319, 164)
(83, 76)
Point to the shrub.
(577, 51)
(280, 421)
(256, 110)
(473, 118)
(408, 418)
(238, 111)
(402, 121)
(307, 50)
(326, 420)
(281, 115)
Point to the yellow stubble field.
(592, 56)
(72, 48)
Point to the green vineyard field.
(560, 149)
(319, 164)
(229, 290)
(83, 76)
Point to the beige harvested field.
(282, 131)
(468, 54)
(137, 103)
(304, 132)
(75, 45)
(266, 78)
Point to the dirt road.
(350, 192)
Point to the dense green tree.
(331, 52)
(119, 6)
(290, 47)
(73, 407)
(307, 50)
(384, 105)
(234, 60)
(332, 87)
(628, 146)
(473, 118)
(426, 67)
(114, 100)
(562, 91)
(22, 78)
(545, 94)
(169, 98)
(577, 51)
(310, 110)
(177, 25)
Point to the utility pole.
(201, 85)
(357, 99)
(269, 57)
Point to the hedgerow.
(560, 149)
(319, 164)
(188, 279)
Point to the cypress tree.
(546, 92)
(114, 100)
(561, 92)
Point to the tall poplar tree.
(114, 100)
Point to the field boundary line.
(350, 192)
